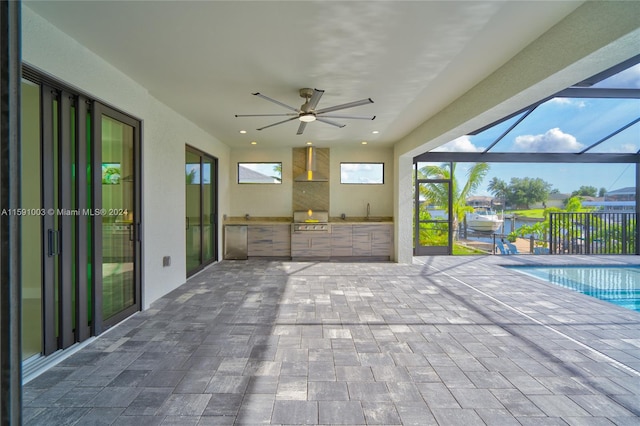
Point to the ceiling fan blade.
(343, 106)
(301, 127)
(266, 115)
(333, 123)
(315, 98)
(279, 122)
(275, 102)
(355, 117)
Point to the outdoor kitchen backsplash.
(310, 195)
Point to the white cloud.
(554, 140)
(628, 148)
(569, 102)
(461, 144)
(625, 148)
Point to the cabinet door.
(382, 241)
(362, 240)
(321, 245)
(281, 239)
(300, 245)
(372, 240)
(305, 245)
(341, 240)
(260, 240)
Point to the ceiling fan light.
(307, 118)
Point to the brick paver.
(447, 340)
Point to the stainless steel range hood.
(310, 174)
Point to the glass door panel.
(208, 209)
(193, 208)
(201, 208)
(432, 218)
(118, 228)
(31, 229)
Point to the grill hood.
(310, 174)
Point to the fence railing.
(592, 233)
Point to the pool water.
(615, 284)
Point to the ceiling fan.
(308, 112)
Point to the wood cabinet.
(341, 240)
(306, 244)
(269, 240)
(366, 240)
(373, 240)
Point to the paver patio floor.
(447, 341)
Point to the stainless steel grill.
(311, 221)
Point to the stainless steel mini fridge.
(235, 242)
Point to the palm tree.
(437, 194)
(499, 189)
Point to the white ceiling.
(205, 58)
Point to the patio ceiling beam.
(593, 92)
(525, 157)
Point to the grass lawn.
(532, 213)
(459, 249)
(539, 213)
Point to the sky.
(566, 125)
(566, 178)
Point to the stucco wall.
(165, 133)
(276, 200)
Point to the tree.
(525, 191)
(585, 191)
(499, 189)
(573, 204)
(437, 194)
(601, 192)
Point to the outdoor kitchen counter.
(359, 220)
(355, 237)
(258, 221)
(288, 220)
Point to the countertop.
(257, 220)
(238, 220)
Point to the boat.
(484, 219)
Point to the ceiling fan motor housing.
(306, 108)
(306, 93)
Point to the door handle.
(53, 239)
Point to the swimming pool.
(615, 284)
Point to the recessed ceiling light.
(243, 131)
(254, 143)
(375, 132)
(363, 142)
(309, 143)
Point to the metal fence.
(592, 233)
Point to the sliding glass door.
(201, 209)
(119, 218)
(80, 217)
(31, 230)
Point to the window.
(362, 173)
(259, 172)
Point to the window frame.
(240, 163)
(381, 163)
